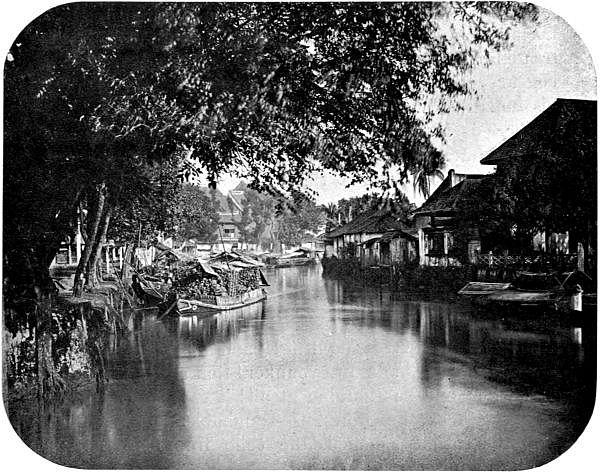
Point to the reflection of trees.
(202, 331)
(134, 422)
(529, 356)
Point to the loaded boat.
(225, 282)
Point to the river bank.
(324, 374)
(56, 346)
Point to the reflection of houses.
(436, 223)
(373, 238)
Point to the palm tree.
(331, 214)
(422, 180)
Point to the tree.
(258, 214)
(422, 181)
(350, 208)
(97, 92)
(296, 218)
(196, 216)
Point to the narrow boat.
(299, 257)
(225, 282)
(530, 290)
(481, 289)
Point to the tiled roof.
(447, 199)
(535, 136)
(377, 221)
(406, 233)
(228, 218)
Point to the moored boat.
(299, 257)
(225, 282)
(543, 290)
(220, 303)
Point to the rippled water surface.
(325, 375)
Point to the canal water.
(329, 375)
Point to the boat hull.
(292, 262)
(220, 303)
(481, 289)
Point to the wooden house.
(367, 226)
(373, 238)
(436, 223)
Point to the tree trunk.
(83, 264)
(91, 275)
(48, 380)
(127, 263)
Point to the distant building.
(373, 238)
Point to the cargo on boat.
(226, 281)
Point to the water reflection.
(531, 356)
(201, 330)
(326, 375)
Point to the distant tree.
(346, 209)
(350, 208)
(195, 216)
(95, 92)
(298, 217)
(258, 214)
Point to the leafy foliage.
(98, 93)
(550, 188)
(298, 217)
(196, 216)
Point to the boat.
(220, 302)
(148, 289)
(545, 290)
(225, 282)
(299, 257)
(479, 289)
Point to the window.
(436, 244)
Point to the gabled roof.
(406, 234)
(537, 134)
(446, 199)
(376, 221)
(228, 218)
(219, 197)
